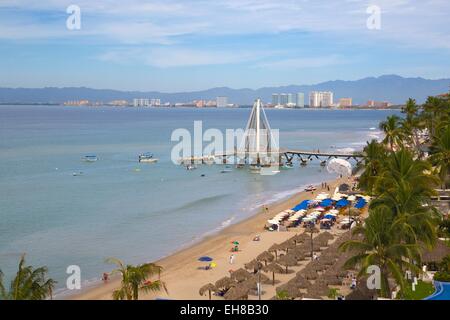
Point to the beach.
(183, 274)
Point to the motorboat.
(90, 158)
(147, 158)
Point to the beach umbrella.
(332, 280)
(252, 265)
(319, 289)
(274, 268)
(205, 259)
(240, 275)
(237, 293)
(287, 261)
(266, 257)
(291, 289)
(310, 275)
(339, 166)
(274, 248)
(225, 283)
(300, 281)
(236, 243)
(207, 287)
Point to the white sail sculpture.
(259, 144)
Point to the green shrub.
(442, 276)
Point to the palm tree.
(393, 135)
(374, 154)
(440, 154)
(411, 125)
(405, 185)
(378, 244)
(135, 279)
(28, 284)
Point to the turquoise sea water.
(113, 209)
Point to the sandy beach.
(182, 271)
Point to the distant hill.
(392, 88)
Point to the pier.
(258, 147)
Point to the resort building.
(275, 99)
(345, 102)
(221, 102)
(320, 99)
(300, 101)
(378, 104)
(141, 102)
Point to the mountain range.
(392, 88)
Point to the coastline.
(181, 268)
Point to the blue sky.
(185, 45)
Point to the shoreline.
(183, 264)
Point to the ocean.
(139, 212)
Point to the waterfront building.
(283, 99)
(320, 99)
(221, 102)
(275, 99)
(290, 100)
(141, 102)
(378, 104)
(345, 102)
(300, 100)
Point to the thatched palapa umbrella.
(301, 282)
(252, 265)
(274, 248)
(266, 257)
(274, 268)
(291, 289)
(225, 283)
(237, 293)
(240, 275)
(287, 261)
(310, 274)
(207, 287)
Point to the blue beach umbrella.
(205, 259)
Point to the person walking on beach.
(105, 277)
(232, 259)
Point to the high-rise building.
(300, 101)
(283, 99)
(141, 102)
(275, 99)
(290, 100)
(155, 102)
(345, 102)
(222, 102)
(320, 99)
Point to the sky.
(188, 45)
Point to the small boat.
(255, 169)
(190, 167)
(310, 188)
(226, 171)
(76, 174)
(147, 158)
(90, 158)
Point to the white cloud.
(404, 22)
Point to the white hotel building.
(320, 99)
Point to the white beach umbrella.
(339, 166)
